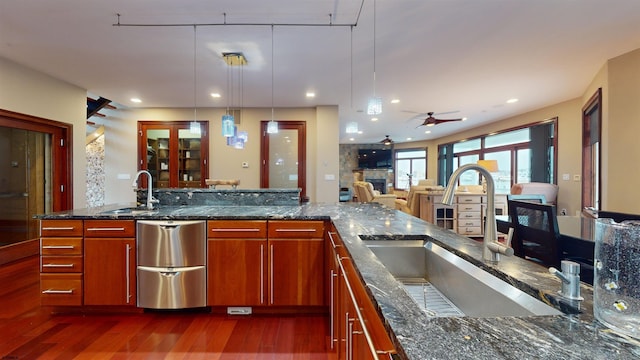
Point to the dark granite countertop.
(569, 336)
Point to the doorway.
(34, 179)
(283, 157)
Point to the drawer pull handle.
(295, 230)
(59, 228)
(235, 230)
(58, 246)
(57, 265)
(52, 291)
(106, 229)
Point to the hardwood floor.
(29, 331)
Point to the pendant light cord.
(195, 78)
(272, 73)
(374, 48)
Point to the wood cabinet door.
(237, 272)
(109, 271)
(296, 272)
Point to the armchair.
(411, 205)
(550, 191)
(366, 193)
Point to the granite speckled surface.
(223, 197)
(569, 336)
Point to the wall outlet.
(576, 177)
(563, 212)
(566, 177)
(245, 164)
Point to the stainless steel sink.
(473, 291)
(128, 211)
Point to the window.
(410, 166)
(524, 155)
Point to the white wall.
(30, 92)
(225, 162)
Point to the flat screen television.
(375, 159)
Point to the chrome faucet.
(150, 199)
(491, 247)
(570, 276)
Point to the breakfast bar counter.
(573, 335)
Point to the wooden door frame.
(587, 184)
(61, 153)
(301, 126)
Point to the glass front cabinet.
(176, 153)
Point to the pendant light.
(374, 106)
(272, 126)
(228, 122)
(194, 126)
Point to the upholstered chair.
(366, 194)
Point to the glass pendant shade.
(194, 127)
(272, 127)
(352, 128)
(374, 107)
(227, 125)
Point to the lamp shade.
(490, 165)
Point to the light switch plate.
(329, 177)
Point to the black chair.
(536, 235)
(617, 216)
(537, 198)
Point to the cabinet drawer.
(61, 264)
(109, 228)
(254, 229)
(462, 215)
(60, 228)
(469, 222)
(470, 207)
(469, 199)
(469, 230)
(296, 229)
(61, 289)
(61, 246)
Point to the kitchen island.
(416, 335)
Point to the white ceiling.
(461, 57)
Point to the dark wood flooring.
(29, 331)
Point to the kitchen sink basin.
(443, 277)
(128, 211)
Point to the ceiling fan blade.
(438, 121)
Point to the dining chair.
(536, 235)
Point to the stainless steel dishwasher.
(172, 258)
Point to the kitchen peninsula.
(416, 335)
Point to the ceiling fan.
(386, 141)
(431, 121)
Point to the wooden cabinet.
(274, 263)
(174, 154)
(61, 264)
(237, 263)
(296, 263)
(109, 262)
(361, 333)
(465, 216)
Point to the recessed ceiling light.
(511, 101)
(409, 138)
(136, 100)
(428, 132)
(215, 95)
(464, 119)
(395, 101)
(374, 119)
(311, 94)
(360, 132)
(352, 139)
